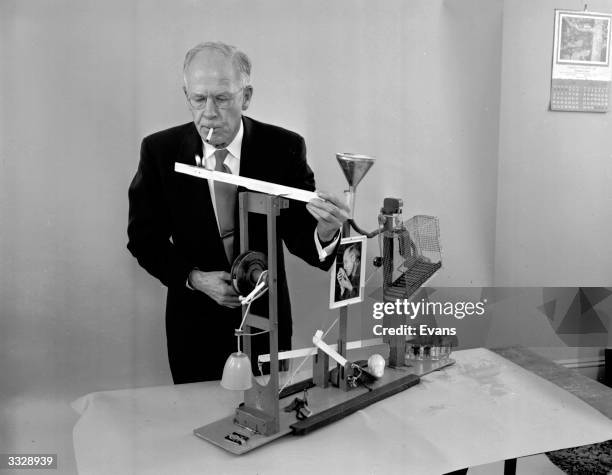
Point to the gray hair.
(242, 63)
(355, 250)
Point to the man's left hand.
(330, 212)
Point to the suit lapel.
(246, 170)
(190, 146)
(247, 150)
(195, 189)
(256, 155)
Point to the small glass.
(417, 352)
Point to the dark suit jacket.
(172, 229)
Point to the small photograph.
(348, 272)
(583, 39)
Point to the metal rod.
(243, 220)
(343, 327)
(302, 352)
(272, 387)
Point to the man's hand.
(343, 280)
(330, 212)
(216, 285)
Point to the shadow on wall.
(550, 316)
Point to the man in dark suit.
(181, 228)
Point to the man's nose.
(210, 109)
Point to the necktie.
(225, 198)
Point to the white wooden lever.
(319, 343)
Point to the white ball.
(376, 365)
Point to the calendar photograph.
(583, 38)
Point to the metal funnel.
(354, 166)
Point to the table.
(483, 409)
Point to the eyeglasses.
(221, 101)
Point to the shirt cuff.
(325, 252)
(187, 280)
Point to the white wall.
(554, 212)
(83, 83)
(415, 84)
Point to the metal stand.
(257, 420)
(397, 343)
(343, 327)
(320, 364)
(260, 409)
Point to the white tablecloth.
(480, 410)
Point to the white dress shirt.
(232, 160)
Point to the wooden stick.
(316, 339)
(250, 183)
(351, 345)
(341, 410)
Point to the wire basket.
(411, 256)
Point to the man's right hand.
(216, 285)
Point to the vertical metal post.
(320, 369)
(263, 400)
(243, 219)
(397, 343)
(343, 328)
(243, 207)
(273, 210)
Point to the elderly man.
(181, 228)
(349, 274)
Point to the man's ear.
(247, 93)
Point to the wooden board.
(337, 412)
(217, 432)
(327, 404)
(249, 183)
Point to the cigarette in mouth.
(210, 132)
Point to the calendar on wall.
(581, 70)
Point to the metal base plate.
(238, 440)
(245, 440)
